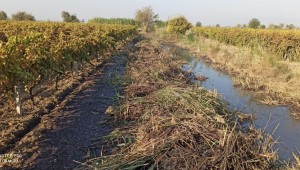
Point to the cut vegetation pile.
(173, 124)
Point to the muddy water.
(269, 117)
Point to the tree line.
(24, 16)
(146, 17)
(256, 24)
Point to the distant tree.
(22, 16)
(244, 26)
(276, 27)
(254, 23)
(290, 26)
(179, 25)
(262, 26)
(281, 26)
(145, 17)
(3, 15)
(198, 24)
(238, 26)
(69, 18)
(271, 26)
(217, 25)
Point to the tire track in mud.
(69, 132)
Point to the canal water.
(273, 118)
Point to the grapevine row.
(284, 43)
(31, 51)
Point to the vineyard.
(115, 94)
(33, 51)
(284, 43)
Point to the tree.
(254, 23)
(22, 16)
(239, 26)
(179, 25)
(145, 17)
(271, 26)
(217, 25)
(69, 18)
(281, 26)
(290, 26)
(198, 24)
(3, 15)
(262, 26)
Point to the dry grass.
(296, 165)
(177, 125)
(275, 81)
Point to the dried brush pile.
(177, 125)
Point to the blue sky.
(209, 12)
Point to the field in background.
(124, 21)
(283, 43)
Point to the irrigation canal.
(274, 119)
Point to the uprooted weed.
(178, 125)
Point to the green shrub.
(178, 25)
(191, 36)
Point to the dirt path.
(69, 132)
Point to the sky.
(208, 12)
